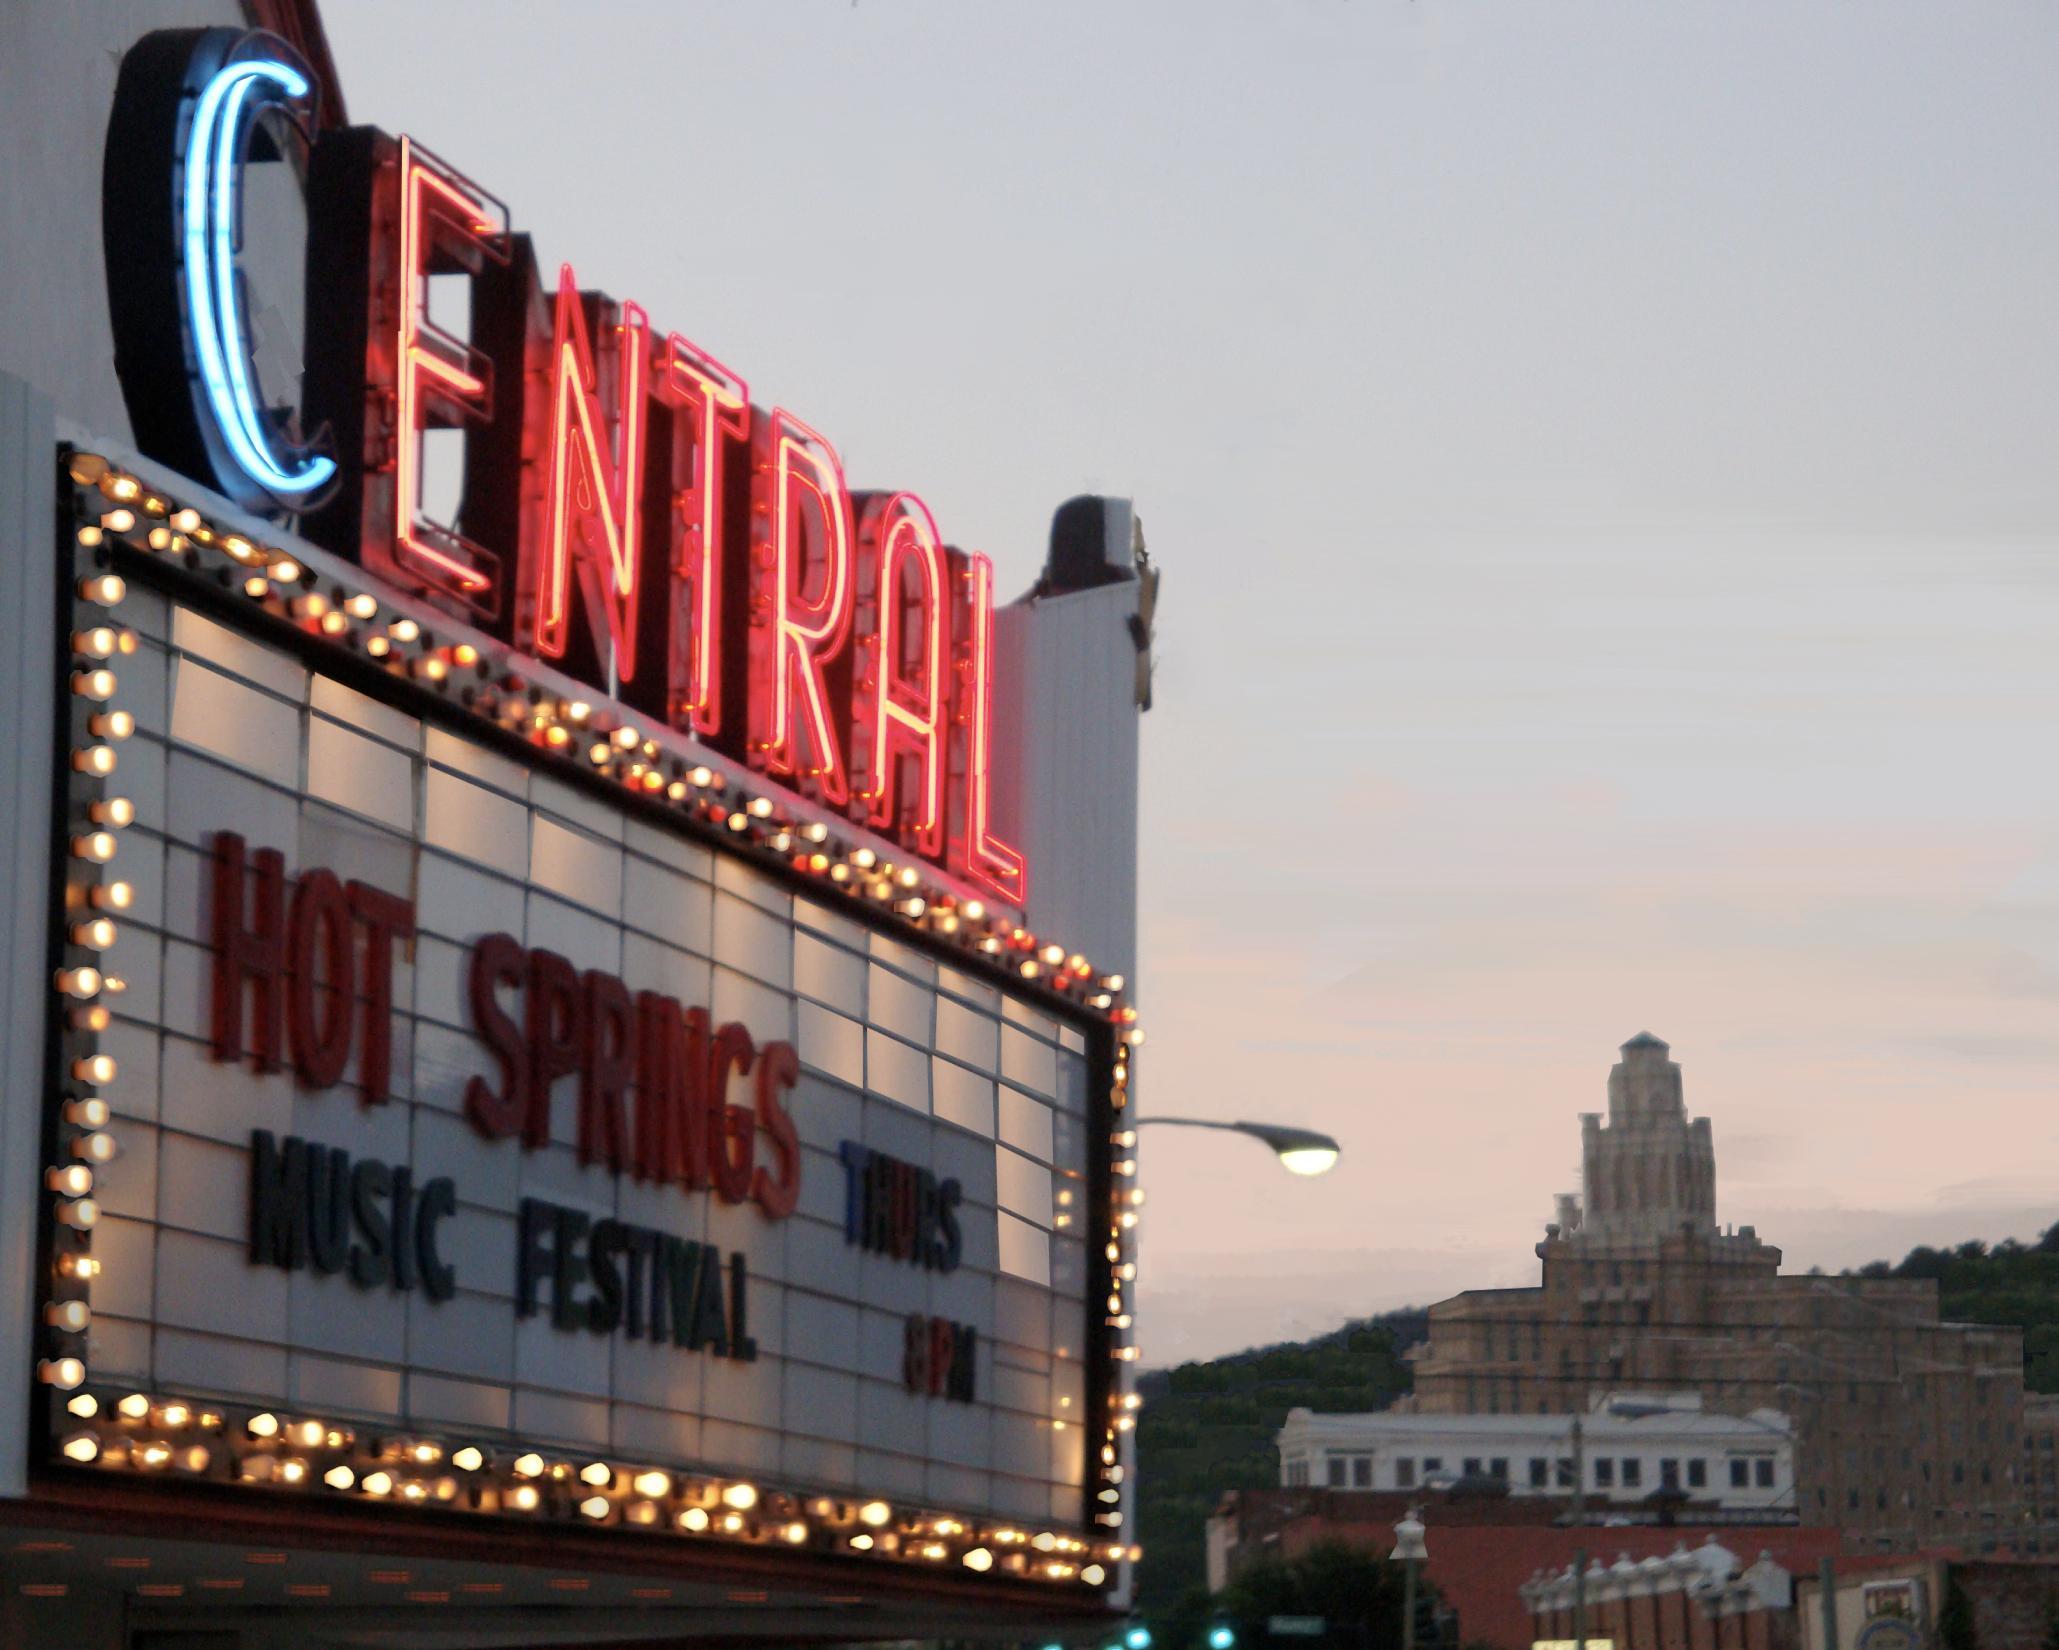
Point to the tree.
(1359, 1597)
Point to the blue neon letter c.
(211, 205)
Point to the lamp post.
(1628, 1412)
(1300, 1151)
(1408, 1547)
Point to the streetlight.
(1408, 1547)
(1300, 1151)
(1221, 1637)
(1623, 1409)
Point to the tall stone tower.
(1648, 1174)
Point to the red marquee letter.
(804, 515)
(981, 855)
(442, 220)
(900, 695)
(593, 510)
(716, 403)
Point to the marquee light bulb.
(97, 1147)
(743, 1497)
(653, 1484)
(361, 606)
(94, 1068)
(97, 934)
(96, 760)
(339, 1478)
(112, 896)
(595, 1506)
(694, 1519)
(875, 1513)
(96, 643)
(795, 1533)
(93, 684)
(528, 1466)
(596, 1473)
(469, 1459)
(404, 630)
(117, 811)
(84, 1404)
(96, 847)
(378, 1483)
(111, 724)
(89, 1113)
(265, 1425)
(523, 1498)
(62, 1373)
(861, 1543)
(106, 589)
(72, 1180)
(134, 1406)
(82, 1447)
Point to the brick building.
(1485, 1550)
(1909, 1429)
(2040, 1474)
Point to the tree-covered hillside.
(1208, 1427)
(2012, 1283)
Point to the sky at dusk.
(1605, 464)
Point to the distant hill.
(1209, 1427)
(2012, 1283)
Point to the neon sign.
(624, 510)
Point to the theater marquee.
(545, 1022)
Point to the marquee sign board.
(544, 1026)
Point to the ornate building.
(1908, 1428)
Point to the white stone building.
(1629, 1446)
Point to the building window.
(1633, 1472)
(1669, 1474)
(1564, 1472)
(1361, 1472)
(1740, 1474)
(1538, 1466)
(1336, 1466)
(1405, 1473)
(1604, 1473)
(1852, 1500)
(1432, 1465)
(1697, 1474)
(1958, 1472)
(1472, 1466)
(1499, 1468)
(1762, 1472)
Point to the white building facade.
(1626, 1450)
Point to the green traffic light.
(1221, 1638)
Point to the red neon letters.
(803, 513)
(664, 540)
(593, 505)
(716, 404)
(901, 690)
(439, 380)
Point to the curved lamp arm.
(1300, 1151)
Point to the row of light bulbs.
(146, 1434)
(637, 760)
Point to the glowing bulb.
(96, 760)
(107, 589)
(528, 1466)
(263, 1426)
(73, 1180)
(339, 1478)
(94, 1068)
(62, 1373)
(978, 1559)
(98, 934)
(93, 684)
(653, 1484)
(81, 1447)
(468, 1459)
(875, 1513)
(595, 1506)
(596, 1473)
(95, 1148)
(743, 1497)
(97, 847)
(378, 1483)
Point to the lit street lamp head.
(1300, 1151)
